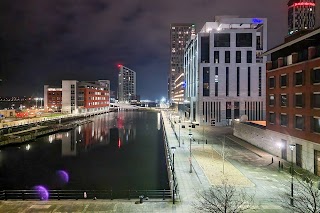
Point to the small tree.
(225, 199)
(306, 196)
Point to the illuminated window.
(284, 100)
(272, 100)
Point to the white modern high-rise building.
(301, 15)
(126, 84)
(225, 72)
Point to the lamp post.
(203, 132)
(292, 146)
(36, 102)
(173, 179)
(41, 99)
(190, 136)
(179, 130)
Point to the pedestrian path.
(189, 184)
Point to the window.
(298, 78)
(227, 56)
(216, 82)
(206, 81)
(238, 81)
(216, 57)
(272, 100)
(260, 85)
(316, 75)
(272, 82)
(283, 119)
(315, 100)
(236, 110)
(238, 56)
(316, 124)
(227, 81)
(259, 47)
(272, 117)
(284, 100)
(283, 80)
(205, 49)
(222, 40)
(299, 122)
(299, 100)
(244, 39)
(249, 81)
(249, 56)
(228, 110)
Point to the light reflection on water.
(117, 150)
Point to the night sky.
(45, 41)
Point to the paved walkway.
(252, 162)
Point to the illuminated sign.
(304, 4)
(257, 21)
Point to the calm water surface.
(119, 150)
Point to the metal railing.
(84, 194)
(169, 162)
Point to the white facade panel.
(69, 96)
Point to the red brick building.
(74, 96)
(93, 95)
(293, 96)
(52, 98)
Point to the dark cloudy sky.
(44, 41)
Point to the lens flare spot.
(42, 192)
(63, 176)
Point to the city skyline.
(45, 42)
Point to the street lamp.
(190, 136)
(174, 182)
(203, 130)
(36, 102)
(179, 129)
(41, 99)
(292, 146)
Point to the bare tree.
(306, 196)
(225, 199)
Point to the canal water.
(119, 151)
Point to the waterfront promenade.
(245, 166)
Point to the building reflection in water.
(103, 131)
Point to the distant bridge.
(123, 106)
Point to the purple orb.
(42, 192)
(63, 176)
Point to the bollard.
(206, 141)
(141, 199)
(279, 165)
(272, 160)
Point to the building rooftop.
(310, 39)
(232, 22)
